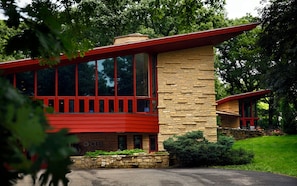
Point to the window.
(25, 83)
(122, 142)
(125, 76)
(91, 105)
(86, 79)
(101, 105)
(153, 143)
(61, 105)
(46, 82)
(105, 68)
(71, 105)
(141, 74)
(66, 80)
(154, 79)
(143, 105)
(137, 141)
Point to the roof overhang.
(255, 95)
(158, 45)
(227, 113)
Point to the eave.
(255, 95)
(158, 45)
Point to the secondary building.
(133, 94)
(240, 110)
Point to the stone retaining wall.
(239, 134)
(121, 161)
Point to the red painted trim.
(158, 45)
(115, 122)
(243, 96)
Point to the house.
(133, 94)
(240, 110)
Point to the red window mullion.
(96, 104)
(35, 83)
(106, 105)
(125, 104)
(14, 80)
(96, 80)
(66, 104)
(56, 100)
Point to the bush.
(120, 152)
(192, 149)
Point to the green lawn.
(276, 154)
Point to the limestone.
(186, 93)
(121, 161)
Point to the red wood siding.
(115, 122)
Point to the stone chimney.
(130, 38)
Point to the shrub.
(120, 152)
(192, 149)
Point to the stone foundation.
(121, 161)
(239, 134)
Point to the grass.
(275, 154)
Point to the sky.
(239, 8)
(235, 8)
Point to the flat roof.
(155, 46)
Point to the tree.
(51, 28)
(239, 63)
(44, 30)
(278, 40)
(22, 130)
(5, 34)
(155, 18)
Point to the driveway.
(172, 177)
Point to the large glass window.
(141, 74)
(46, 82)
(86, 79)
(154, 78)
(66, 80)
(125, 75)
(25, 83)
(105, 68)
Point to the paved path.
(172, 177)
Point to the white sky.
(234, 8)
(239, 8)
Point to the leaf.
(25, 126)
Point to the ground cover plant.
(193, 150)
(276, 154)
(120, 152)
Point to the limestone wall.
(121, 161)
(239, 134)
(230, 106)
(186, 93)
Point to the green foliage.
(23, 126)
(154, 18)
(51, 29)
(278, 40)
(5, 34)
(120, 152)
(192, 149)
(239, 64)
(289, 114)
